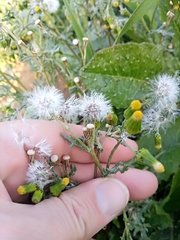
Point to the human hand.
(79, 212)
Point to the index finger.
(36, 130)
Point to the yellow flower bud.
(133, 124)
(158, 141)
(37, 196)
(176, 7)
(158, 167)
(58, 187)
(112, 119)
(134, 106)
(28, 188)
(115, 4)
(145, 157)
(37, 8)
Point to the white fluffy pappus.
(165, 88)
(35, 3)
(156, 118)
(52, 5)
(44, 102)
(39, 173)
(70, 109)
(42, 148)
(94, 107)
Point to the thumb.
(90, 206)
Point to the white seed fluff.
(165, 88)
(44, 102)
(52, 5)
(43, 148)
(70, 109)
(39, 173)
(94, 107)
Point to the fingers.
(82, 211)
(3, 192)
(141, 184)
(34, 131)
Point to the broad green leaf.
(169, 155)
(139, 12)
(121, 72)
(159, 218)
(171, 202)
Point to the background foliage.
(128, 45)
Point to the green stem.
(142, 19)
(96, 160)
(20, 83)
(127, 234)
(7, 30)
(44, 72)
(9, 82)
(67, 128)
(112, 153)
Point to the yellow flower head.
(37, 8)
(137, 115)
(115, 4)
(136, 105)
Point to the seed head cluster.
(164, 93)
(48, 102)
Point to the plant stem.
(9, 82)
(126, 234)
(91, 150)
(112, 153)
(44, 72)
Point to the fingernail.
(112, 196)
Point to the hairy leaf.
(122, 72)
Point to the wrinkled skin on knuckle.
(74, 211)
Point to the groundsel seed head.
(94, 107)
(66, 157)
(31, 152)
(44, 102)
(165, 89)
(75, 42)
(69, 110)
(42, 148)
(76, 80)
(64, 59)
(54, 158)
(52, 5)
(35, 4)
(39, 173)
(29, 33)
(156, 118)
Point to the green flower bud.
(133, 124)
(58, 187)
(112, 119)
(37, 196)
(158, 141)
(28, 188)
(145, 157)
(134, 106)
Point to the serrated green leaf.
(121, 72)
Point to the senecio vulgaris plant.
(157, 110)
(56, 41)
